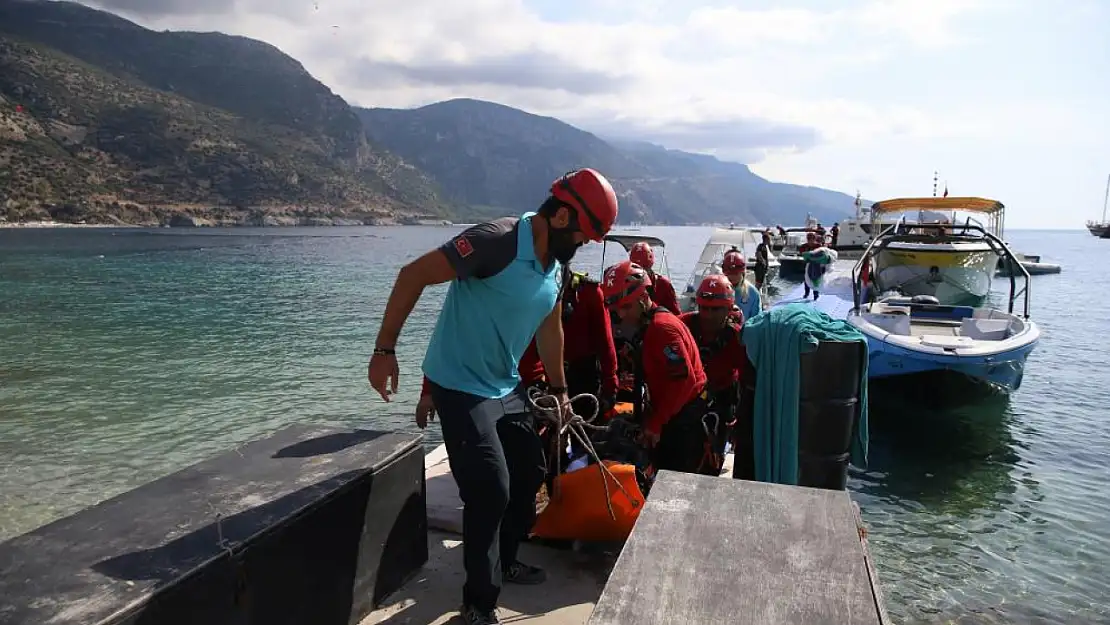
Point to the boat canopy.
(966, 204)
(628, 240)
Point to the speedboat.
(920, 336)
(723, 240)
(626, 241)
(954, 263)
(791, 263)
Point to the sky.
(1007, 99)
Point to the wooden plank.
(872, 574)
(707, 550)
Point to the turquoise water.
(128, 354)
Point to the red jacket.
(662, 292)
(724, 356)
(673, 372)
(587, 333)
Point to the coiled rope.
(577, 427)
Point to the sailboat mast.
(1105, 198)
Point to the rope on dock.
(576, 426)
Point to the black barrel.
(828, 412)
(743, 434)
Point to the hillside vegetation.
(102, 120)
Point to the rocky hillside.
(486, 154)
(103, 120)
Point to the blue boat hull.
(1003, 371)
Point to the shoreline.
(40, 225)
(13, 225)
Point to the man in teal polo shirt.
(505, 282)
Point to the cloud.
(531, 69)
(714, 79)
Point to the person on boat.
(717, 327)
(504, 289)
(810, 245)
(745, 294)
(668, 367)
(661, 290)
(820, 233)
(834, 233)
(762, 259)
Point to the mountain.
(105, 121)
(102, 119)
(490, 155)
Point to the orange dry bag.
(578, 510)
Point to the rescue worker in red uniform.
(590, 360)
(668, 366)
(661, 290)
(716, 327)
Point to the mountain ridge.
(105, 121)
(655, 184)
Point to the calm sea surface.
(128, 354)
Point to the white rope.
(576, 426)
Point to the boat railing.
(893, 234)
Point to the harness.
(719, 343)
(571, 282)
(710, 459)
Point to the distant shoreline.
(38, 225)
(59, 224)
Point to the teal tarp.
(775, 342)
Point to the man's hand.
(566, 411)
(425, 411)
(649, 439)
(382, 372)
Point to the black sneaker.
(520, 573)
(473, 616)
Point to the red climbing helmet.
(715, 291)
(592, 198)
(642, 254)
(624, 283)
(733, 261)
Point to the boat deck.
(934, 327)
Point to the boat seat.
(946, 342)
(985, 329)
(894, 323)
(883, 308)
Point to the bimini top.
(968, 204)
(628, 240)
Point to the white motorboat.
(960, 351)
(955, 263)
(722, 240)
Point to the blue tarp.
(775, 342)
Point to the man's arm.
(474, 253)
(549, 344)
